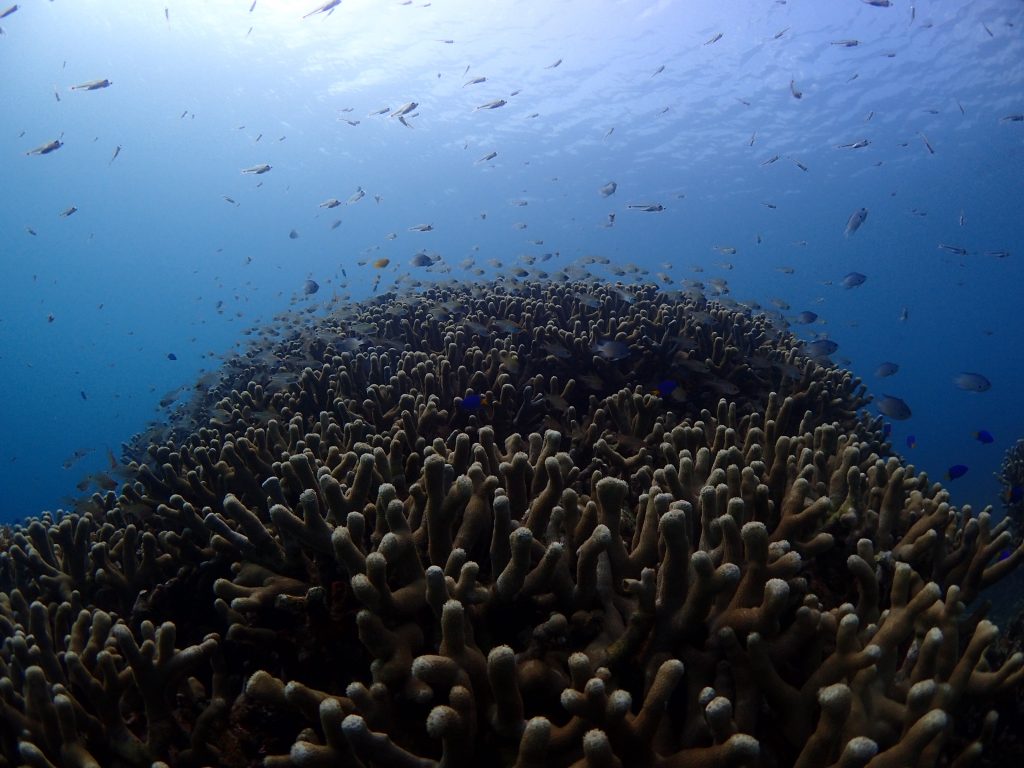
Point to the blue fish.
(911, 441)
(473, 402)
(984, 436)
(957, 470)
(665, 388)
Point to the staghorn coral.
(1011, 478)
(447, 529)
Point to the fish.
(714, 39)
(552, 66)
(422, 228)
(488, 156)
(475, 81)
(92, 85)
(31, 231)
(251, 7)
(753, 138)
(893, 407)
(780, 33)
(492, 104)
(381, 111)
(658, 71)
(805, 318)
(8, 11)
(799, 165)
(856, 219)
(421, 259)
(82, 393)
(609, 349)
(117, 151)
(473, 402)
(797, 93)
(293, 235)
(962, 219)
(927, 144)
(820, 347)
(904, 315)
(380, 263)
(846, 43)
(608, 189)
(886, 369)
(171, 356)
(257, 169)
(998, 254)
(332, 202)
(327, 8)
(989, 31)
(1015, 118)
(230, 199)
(878, 3)
(773, 206)
(47, 148)
(854, 145)
(358, 195)
(405, 109)
(648, 207)
(972, 382)
(911, 441)
(68, 211)
(853, 279)
(310, 287)
(984, 437)
(953, 249)
(955, 471)
(770, 160)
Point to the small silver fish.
(47, 148)
(327, 8)
(405, 109)
(797, 93)
(856, 219)
(330, 203)
(846, 43)
(475, 81)
(608, 189)
(648, 207)
(854, 145)
(68, 211)
(92, 85)
(492, 104)
(955, 249)
(358, 195)
(488, 156)
(257, 169)
(714, 39)
(422, 228)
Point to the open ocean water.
(740, 136)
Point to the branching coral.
(464, 535)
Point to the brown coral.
(469, 537)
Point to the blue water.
(196, 96)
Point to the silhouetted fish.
(972, 382)
(893, 407)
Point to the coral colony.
(518, 525)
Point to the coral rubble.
(523, 525)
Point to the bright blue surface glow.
(155, 243)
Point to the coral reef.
(1011, 479)
(523, 525)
